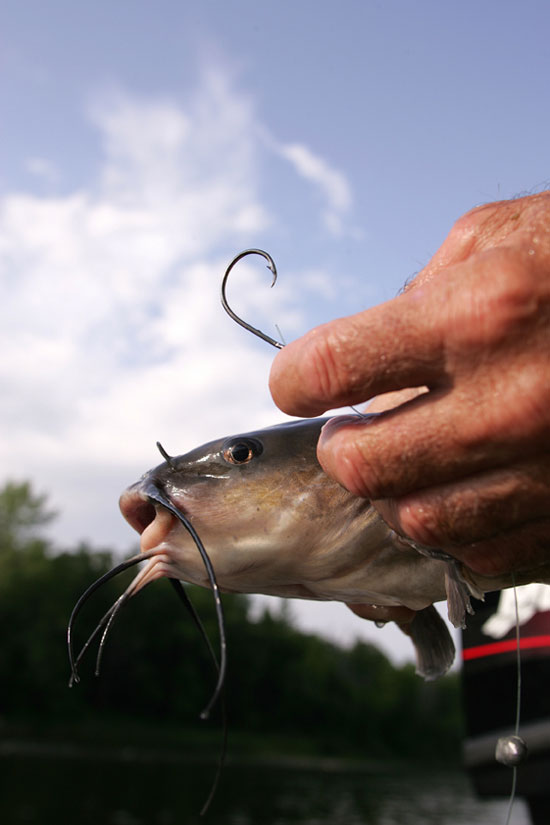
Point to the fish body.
(273, 522)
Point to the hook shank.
(271, 266)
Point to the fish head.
(259, 502)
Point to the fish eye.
(242, 450)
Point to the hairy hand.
(459, 458)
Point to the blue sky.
(143, 145)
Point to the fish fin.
(466, 576)
(434, 647)
(459, 587)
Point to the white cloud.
(332, 185)
(113, 334)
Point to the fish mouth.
(148, 518)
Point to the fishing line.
(283, 342)
(518, 664)
(511, 750)
(518, 705)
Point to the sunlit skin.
(460, 365)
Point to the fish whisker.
(108, 619)
(115, 571)
(189, 606)
(184, 597)
(92, 636)
(120, 602)
(111, 615)
(157, 495)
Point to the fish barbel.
(273, 522)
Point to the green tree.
(22, 513)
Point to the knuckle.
(505, 304)
(510, 417)
(486, 226)
(488, 223)
(467, 226)
(511, 298)
(482, 226)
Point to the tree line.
(156, 670)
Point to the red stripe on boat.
(505, 646)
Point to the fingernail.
(333, 425)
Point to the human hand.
(460, 460)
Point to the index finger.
(395, 345)
(402, 343)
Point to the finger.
(476, 509)
(524, 551)
(436, 438)
(352, 359)
(402, 343)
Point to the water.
(43, 789)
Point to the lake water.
(43, 789)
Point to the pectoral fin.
(459, 586)
(459, 589)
